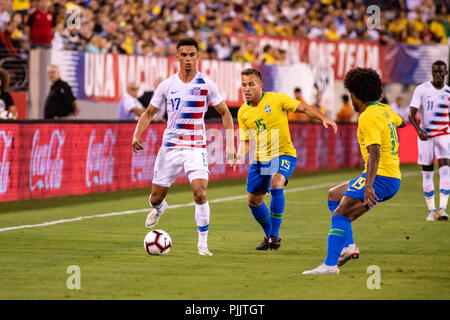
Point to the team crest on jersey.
(197, 91)
(267, 108)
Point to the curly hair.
(4, 78)
(364, 83)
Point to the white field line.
(190, 204)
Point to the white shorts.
(171, 162)
(438, 147)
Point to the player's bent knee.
(200, 197)
(254, 201)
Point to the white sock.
(428, 188)
(202, 215)
(159, 206)
(444, 186)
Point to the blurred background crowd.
(153, 27)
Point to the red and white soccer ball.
(157, 242)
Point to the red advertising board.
(40, 160)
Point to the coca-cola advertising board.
(41, 160)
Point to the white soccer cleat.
(350, 252)
(203, 251)
(431, 215)
(323, 269)
(442, 215)
(154, 215)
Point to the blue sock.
(332, 205)
(336, 239)
(262, 216)
(349, 238)
(276, 210)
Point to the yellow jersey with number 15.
(378, 125)
(267, 123)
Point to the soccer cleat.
(350, 252)
(203, 251)
(154, 215)
(431, 215)
(323, 269)
(264, 245)
(442, 215)
(274, 244)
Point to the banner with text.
(41, 160)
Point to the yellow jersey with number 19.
(267, 123)
(377, 125)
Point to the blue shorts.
(384, 187)
(260, 172)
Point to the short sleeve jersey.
(267, 123)
(186, 105)
(377, 125)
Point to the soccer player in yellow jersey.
(263, 117)
(380, 180)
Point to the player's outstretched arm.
(423, 135)
(313, 112)
(144, 121)
(227, 121)
(370, 198)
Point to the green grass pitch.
(413, 255)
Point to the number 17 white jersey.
(433, 105)
(186, 104)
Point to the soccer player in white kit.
(432, 100)
(186, 96)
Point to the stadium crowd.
(152, 27)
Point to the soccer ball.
(157, 242)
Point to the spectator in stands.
(72, 39)
(97, 45)
(268, 57)
(346, 113)
(39, 26)
(129, 107)
(318, 103)
(250, 52)
(437, 27)
(223, 48)
(294, 116)
(4, 15)
(117, 44)
(400, 108)
(331, 32)
(60, 102)
(7, 108)
(8, 47)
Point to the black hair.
(187, 42)
(364, 83)
(345, 97)
(439, 63)
(297, 90)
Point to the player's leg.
(335, 196)
(257, 187)
(261, 214)
(283, 166)
(350, 208)
(195, 162)
(277, 204)
(426, 159)
(442, 148)
(202, 213)
(444, 188)
(165, 172)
